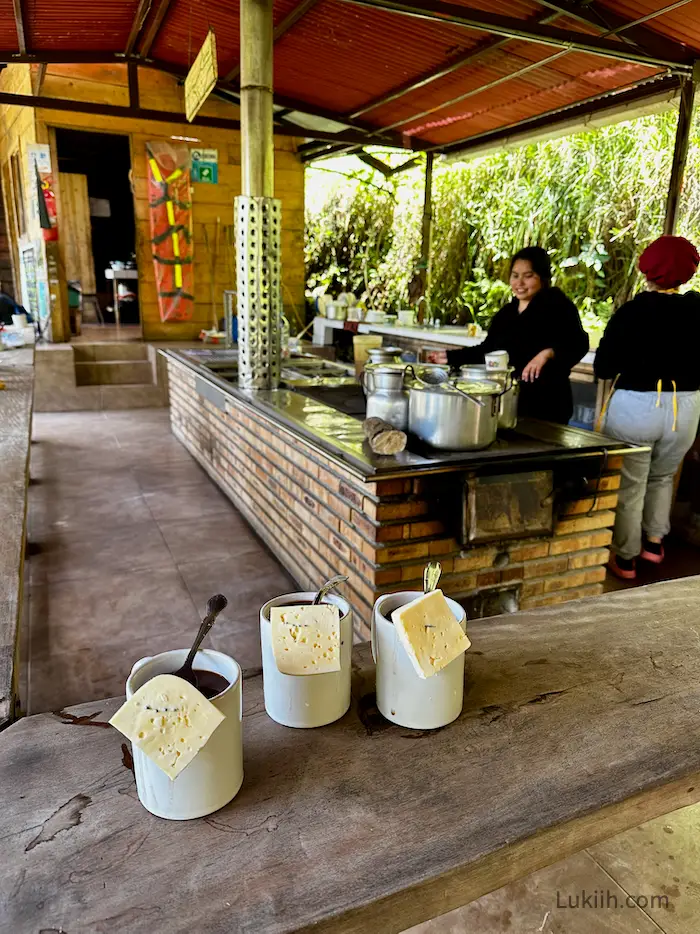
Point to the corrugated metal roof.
(98, 25)
(340, 57)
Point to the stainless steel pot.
(510, 389)
(336, 312)
(454, 415)
(384, 354)
(508, 414)
(387, 398)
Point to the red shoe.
(652, 551)
(624, 568)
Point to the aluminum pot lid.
(388, 367)
(473, 387)
(477, 387)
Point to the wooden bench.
(579, 722)
(17, 373)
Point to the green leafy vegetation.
(593, 200)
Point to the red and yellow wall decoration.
(172, 242)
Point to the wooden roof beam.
(451, 13)
(300, 10)
(18, 10)
(163, 116)
(137, 25)
(152, 32)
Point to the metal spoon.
(439, 378)
(328, 586)
(215, 605)
(431, 576)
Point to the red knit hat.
(669, 262)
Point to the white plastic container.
(214, 776)
(305, 701)
(496, 360)
(402, 696)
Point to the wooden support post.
(133, 79)
(680, 152)
(427, 228)
(257, 147)
(38, 75)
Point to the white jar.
(214, 776)
(306, 700)
(402, 695)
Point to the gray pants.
(646, 490)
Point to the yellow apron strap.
(658, 393)
(606, 403)
(675, 406)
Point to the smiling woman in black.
(541, 330)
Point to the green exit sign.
(205, 166)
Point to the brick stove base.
(321, 519)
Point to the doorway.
(99, 230)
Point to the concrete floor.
(129, 537)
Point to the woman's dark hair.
(538, 259)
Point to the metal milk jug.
(386, 396)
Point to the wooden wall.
(18, 130)
(108, 83)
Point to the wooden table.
(17, 373)
(579, 722)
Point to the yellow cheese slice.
(306, 639)
(429, 632)
(169, 720)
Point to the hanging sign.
(201, 78)
(205, 166)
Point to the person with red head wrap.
(651, 351)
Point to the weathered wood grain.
(17, 373)
(578, 722)
(77, 232)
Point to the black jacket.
(654, 337)
(550, 320)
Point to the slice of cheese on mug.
(169, 720)
(306, 639)
(429, 632)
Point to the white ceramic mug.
(402, 695)
(214, 776)
(407, 318)
(306, 700)
(19, 321)
(496, 360)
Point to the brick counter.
(321, 519)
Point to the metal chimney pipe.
(258, 214)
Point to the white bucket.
(214, 776)
(306, 700)
(402, 695)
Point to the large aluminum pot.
(510, 389)
(445, 417)
(386, 396)
(508, 414)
